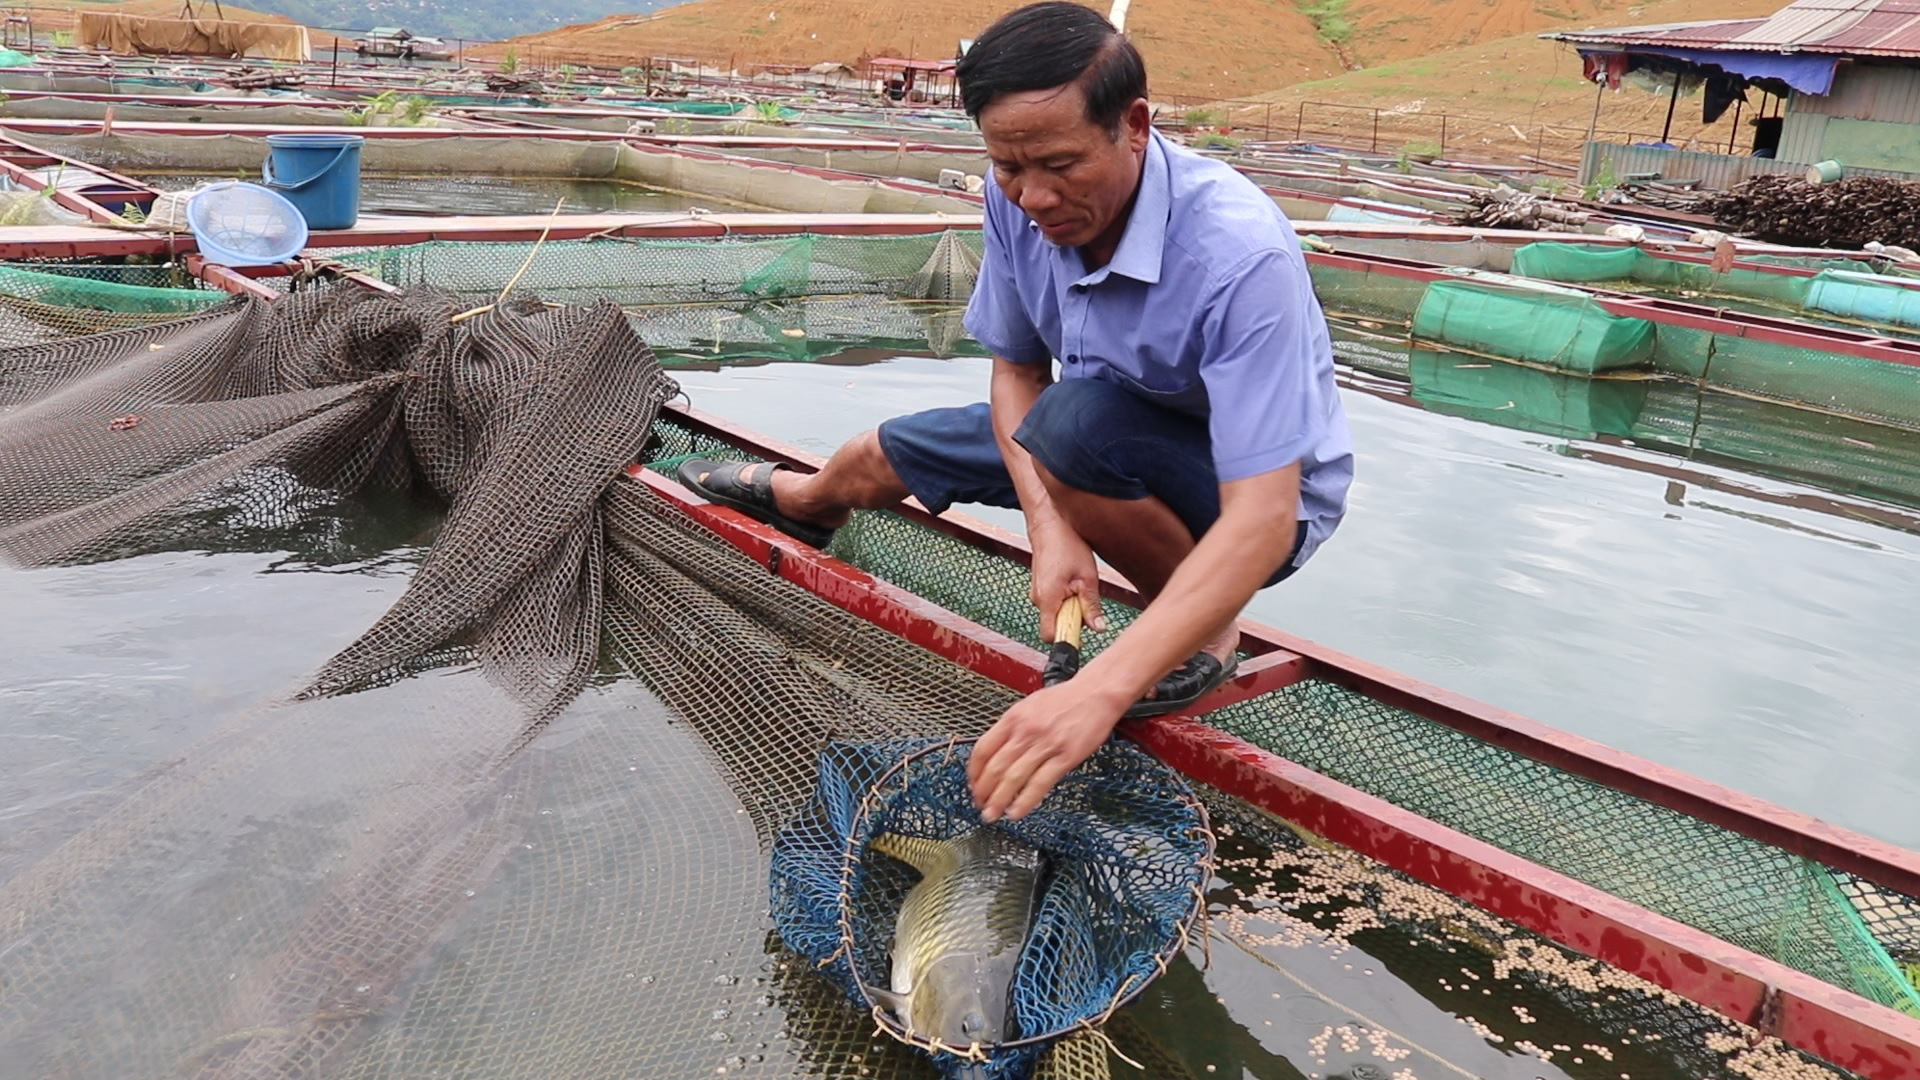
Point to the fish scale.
(973, 904)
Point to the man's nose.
(1038, 196)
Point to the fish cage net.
(50, 301)
(1786, 907)
(1877, 391)
(377, 889)
(790, 297)
(1121, 858)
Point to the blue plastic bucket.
(319, 174)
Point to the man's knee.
(1070, 432)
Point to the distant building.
(399, 43)
(1818, 81)
(915, 81)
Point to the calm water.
(482, 195)
(1759, 645)
(1755, 643)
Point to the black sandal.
(1181, 688)
(1186, 685)
(721, 482)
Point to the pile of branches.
(1850, 213)
(1505, 208)
(503, 83)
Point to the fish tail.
(926, 856)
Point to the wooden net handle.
(1066, 626)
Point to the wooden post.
(1734, 135)
(1672, 102)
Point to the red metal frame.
(18, 159)
(1874, 860)
(1805, 1012)
(1671, 312)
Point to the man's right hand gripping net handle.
(1063, 659)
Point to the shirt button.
(1073, 359)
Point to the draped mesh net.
(521, 825)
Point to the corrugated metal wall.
(1715, 171)
(1712, 170)
(1866, 92)
(1802, 134)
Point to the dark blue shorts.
(1093, 436)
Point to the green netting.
(1868, 297)
(76, 291)
(790, 297)
(1876, 390)
(1360, 293)
(1780, 905)
(1594, 263)
(1566, 330)
(37, 306)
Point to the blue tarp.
(1805, 73)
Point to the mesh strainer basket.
(1127, 850)
(242, 224)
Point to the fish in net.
(1028, 931)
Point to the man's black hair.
(1050, 44)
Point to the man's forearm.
(1014, 390)
(1254, 534)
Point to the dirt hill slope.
(1196, 47)
(1501, 97)
(1202, 49)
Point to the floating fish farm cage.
(1574, 906)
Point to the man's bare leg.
(856, 477)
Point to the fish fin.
(926, 856)
(897, 1004)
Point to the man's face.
(1068, 173)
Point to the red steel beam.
(1874, 860)
(33, 242)
(1807, 1013)
(82, 126)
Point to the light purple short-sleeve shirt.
(1206, 309)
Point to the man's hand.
(1042, 738)
(1063, 566)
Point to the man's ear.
(1137, 124)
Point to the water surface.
(1742, 638)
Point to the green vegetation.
(1329, 19)
(564, 73)
(63, 39)
(510, 63)
(1213, 140)
(770, 111)
(1203, 117)
(1604, 180)
(401, 112)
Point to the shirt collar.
(1145, 239)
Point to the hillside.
(1200, 49)
(1512, 95)
(1196, 47)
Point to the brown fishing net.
(379, 873)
